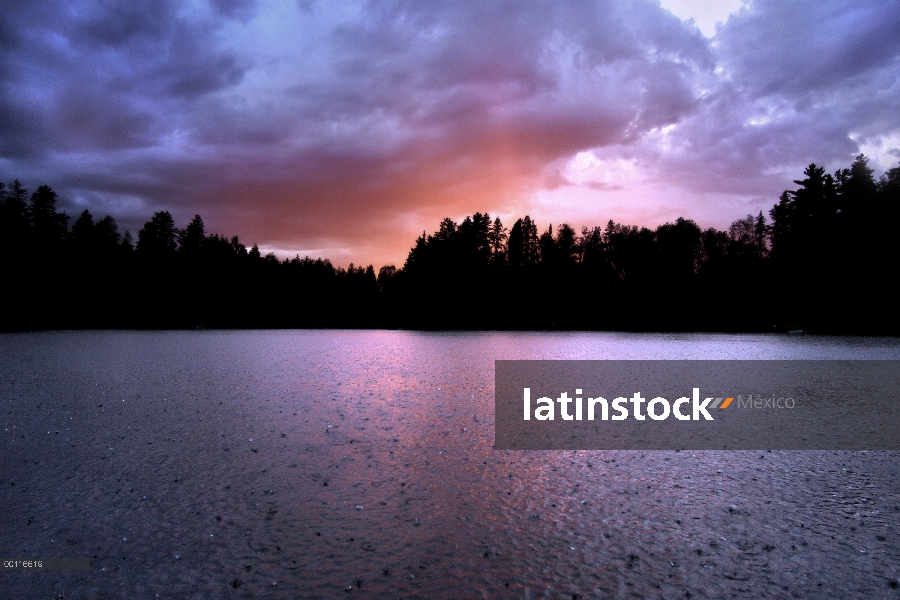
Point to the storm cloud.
(345, 129)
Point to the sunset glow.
(345, 131)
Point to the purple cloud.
(348, 129)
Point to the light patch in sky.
(706, 13)
(661, 137)
(883, 152)
(586, 169)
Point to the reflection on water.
(318, 464)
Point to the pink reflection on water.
(328, 460)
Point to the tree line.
(825, 260)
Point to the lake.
(329, 464)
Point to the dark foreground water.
(324, 464)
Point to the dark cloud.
(85, 117)
(190, 69)
(601, 185)
(799, 48)
(120, 24)
(348, 128)
(105, 76)
(800, 83)
(21, 134)
(236, 9)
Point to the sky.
(346, 129)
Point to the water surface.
(319, 464)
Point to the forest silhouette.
(825, 261)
